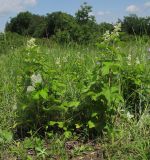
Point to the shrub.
(45, 105)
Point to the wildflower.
(137, 61)
(122, 110)
(129, 115)
(98, 63)
(58, 61)
(107, 36)
(65, 59)
(148, 50)
(35, 79)
(148, 54)
(31, 43)
(117, 27)
(14, 107)
(129, 59)
(30, 89)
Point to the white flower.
(14, 107)
(106, 35)
(58, 61)
(129, 115)
(129, 59)
(137, 61)
(36, 78)
(65, 59)
(148, 49)
(117, 27)
(30, 89)
(31, 43)
(98, 63)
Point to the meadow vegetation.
(69, 101)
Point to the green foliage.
(76, 91)
(20, 24)
(44, 103)
(129, 139)
(61, 27)
(5, 137)
(59, 21)
(83, 15)
(43, 100)
(136, 25)
(103, 27)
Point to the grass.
(129, 139)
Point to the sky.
(104, 10)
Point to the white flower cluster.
(117, 27)
(58, 61)
(129, 116)
(137, 61)
(31, 43)
(148, 54)
(108, 36)
(35, 79)
(129, 60)
(30, 89)
(65, 59)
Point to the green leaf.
(5, 136)
(91, 124)
(55, 108)
(78, 126)
(94, 114)
(73, 104)
(43, 93)
(60, 124)
(52, 123)
(28, 143)
(67, 134)
(36, 96)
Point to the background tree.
(38, 26)
(20, 23)
(83, 15)
(59, 21)
(60, 26)
(133, 24)
(103, 27)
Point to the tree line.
(80, 28)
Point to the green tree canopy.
(83, 15)
(20, 23)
